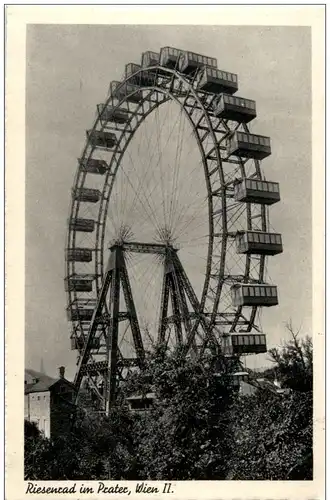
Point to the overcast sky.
(68, 73)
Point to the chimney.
(61, 371)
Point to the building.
(49, 402)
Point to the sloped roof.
(43, 384)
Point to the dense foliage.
(198, 428)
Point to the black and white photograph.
(169, 323)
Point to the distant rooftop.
(39, 382)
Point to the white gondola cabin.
(87, 194)
(244, 294)
(257, 191)
(102, 139)
(93, 166)
(235, 108)
(79, 254)
(248, 343)
(239, 377)
(189, 61)
(249, 145)
(218, 81)
(83, 225)
(79, 342)
(142, 78)
(112, 114)
(169, 57)
(78, 283)
(128, 91)
(149, 58)
(258, 242)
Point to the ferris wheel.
(169, 229)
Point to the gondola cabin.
(112, 114)
(248, 145)
(248, 343)
(235, 108)
(189, 61)
(83, 225)
(218, 81)
(79, 342)
(87, 194)
(169, 57)
(149, 58)
(102, 139)
(128, 91)
(239, 377)
(93, 166)
(136, 76)
(139, 402)
(258, 242)
(78, 283)
(254, 295)
(79, 313)
(257, 191)
(79, 255)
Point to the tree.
(183, 435)
(271, 434)
(272, 437)
(294, 361)
(37, 453)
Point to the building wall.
(37, 409)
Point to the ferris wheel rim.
(99, 238)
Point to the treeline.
(198, 428)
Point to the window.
(273, 238)
(251, 291)
(256, 339)
(268, 292)
(276, 188)
(245, 290)
(274, 291)
(246, 340)
(241, 340)
(262, 291)
(257, 290)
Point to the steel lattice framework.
(100, 296)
